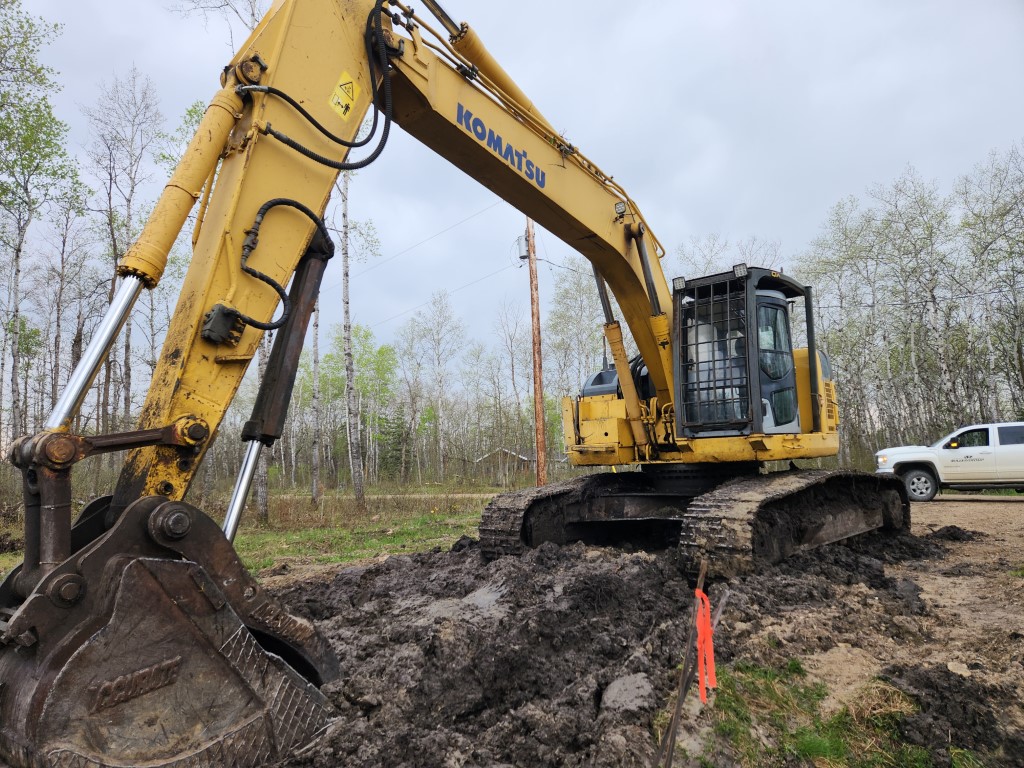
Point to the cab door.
(1010, 453)
(969, 457)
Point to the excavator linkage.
(735, 524)
(152, 645)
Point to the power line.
(382, 262)
(455, 290)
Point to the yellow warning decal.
(344, 96)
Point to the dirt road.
(567, 656)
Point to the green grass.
(8, 560)
(339, 533)
(336, 531)
(771, 716)
(962, 758)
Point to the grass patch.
(337, 532)
(771, 716)
(12, 532)
(1018, 572)
(962, 758)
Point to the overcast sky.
(733, 117)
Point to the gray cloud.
(742, 118)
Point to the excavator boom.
(135, 636)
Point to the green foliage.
(30, 340)
(21, 38)
(770, 716)
(34, 164)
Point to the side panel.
(827, 406)
(1010, 453)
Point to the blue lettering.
(465, 119)
(479, 129)
(494, 142)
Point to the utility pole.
(538, 377)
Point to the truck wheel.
(921, 485)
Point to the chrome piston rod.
(85, 372)
(241, 492)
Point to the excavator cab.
(736, 372)
(743, 398)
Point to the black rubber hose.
(251, 241)
(242, 89)
(376, 21)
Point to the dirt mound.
(560, 657)
(954, 533)
(567, 655)
(958, 711)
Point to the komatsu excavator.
(134, 636)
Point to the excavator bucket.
(152, 645)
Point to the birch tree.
(34, 168)
(126, 125)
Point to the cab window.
(1011, 435)
(972, 438)
(775, 352)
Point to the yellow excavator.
(134, 636)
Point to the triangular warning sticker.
(344, 96)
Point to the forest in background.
(918, 291)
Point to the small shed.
(505, 468)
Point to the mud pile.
(566, 655)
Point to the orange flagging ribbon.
(705, 647)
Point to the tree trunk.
(126, 375)
(17, 422)
(351, 412)
(314, 461)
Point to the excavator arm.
(330, 58)
(135, 636)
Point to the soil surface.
(566, 656)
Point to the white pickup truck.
(971, 458)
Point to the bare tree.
(126, 125)
(247, 12)
(315, 488)
(355, 456)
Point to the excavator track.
(559, 512)
(737, 525)
(767, 518)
